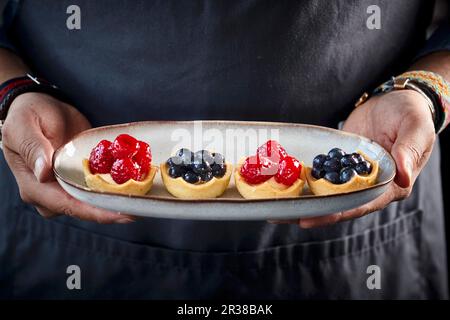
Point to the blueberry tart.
(196, 175)
(340, 172)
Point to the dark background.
(445, 151)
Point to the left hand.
(401, 122)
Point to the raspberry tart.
(198, 175)
(122, 166)
(271, 173)
(339, 172)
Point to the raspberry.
(143, 158)
(125, 146)
(268, 167)
(101, 158)
(125, 169)
(251, 171)
(272, 150)
(288, 171)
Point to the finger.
(375, 205)
(46, 213)
(31, 144)
(410, 151)
(307, 223)
(393, 193)
(291, 221)
(72, 207)
(54, 199)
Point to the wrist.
(420, 104)
(434, 89)
(406, 102)
(15, 87)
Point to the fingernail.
(125, 221)
(39, 167)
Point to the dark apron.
(297, 61)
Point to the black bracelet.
(11, 89)
(439, 114)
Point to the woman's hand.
(401, 122)
(36, 125)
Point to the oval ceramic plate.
(235, 140)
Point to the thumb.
(403, 161)
(34, 148)
(42, 162)
(409, 151)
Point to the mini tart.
(185, 190)
(269, 188)
(324, 187)
(104, 182)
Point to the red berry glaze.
(124, 170)
(289, 170)
(251, 171)
(271, 160)
(272, 150)
(125, 158)
(143, 158)
(101, 158)
(125, 146)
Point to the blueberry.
(200, 167)
(317, 173)
(218, 158)
(186, 156)
(332, 165)
(197, 157)
(319, 160)
(218, 170)
(336, 153)
(191, 177)
(174, 161)
(349, 160)
(182, 151)
(333, 177)
(363, 167)
(175, 171)
(359, 158)
(206, 176)
(205, 156)
(347, 174)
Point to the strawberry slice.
(289, 170)
(125, 169)
(101, 158)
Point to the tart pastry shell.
(270, 188)
(185, 190)
(324, 187)
(104, 182)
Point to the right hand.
(36, 125)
